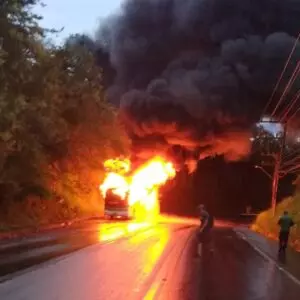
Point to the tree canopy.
(56, 128)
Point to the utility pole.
(278, 159)
(275, 181)
(277, 165)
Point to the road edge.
(30, 231)
(266, 256)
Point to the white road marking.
(270, 259)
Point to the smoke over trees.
(197, 73)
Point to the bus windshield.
(113, 201)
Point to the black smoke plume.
(195, 75)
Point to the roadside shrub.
(266, 224)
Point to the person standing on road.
(285, 222)
(207, 223)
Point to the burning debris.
(196, 74)
(140, 186)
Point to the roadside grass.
(35, 213)
(266, 224)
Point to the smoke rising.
(197, 73)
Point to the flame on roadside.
(142, 186)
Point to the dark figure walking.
(285, 222)
(204, 235)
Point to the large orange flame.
(142, 186)
(117, 183)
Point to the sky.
(273, 128)
(76, 16)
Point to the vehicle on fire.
(115, 207)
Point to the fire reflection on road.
(111, 232)
(108, 232)
(155, 251)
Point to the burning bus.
(134, 193)
(116, 206)
(115, 191)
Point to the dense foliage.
(56, 128)
(266, 224)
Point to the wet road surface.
(142, 261)
(236, 271)
(20, 253)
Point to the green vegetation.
(267, 224)
(56, 128)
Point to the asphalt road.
(144, 261)
(237, 271)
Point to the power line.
(281, 75)
(293, 115)
(287, 87)
(294, 152)
(294, 168)
(290, 106)
(291, 161)
(294, 171)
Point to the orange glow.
(151, 260)
(117, 183)
(142, 186)
(120, 166)
(114, 231)
(155, 251)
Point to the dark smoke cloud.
(197, 73)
